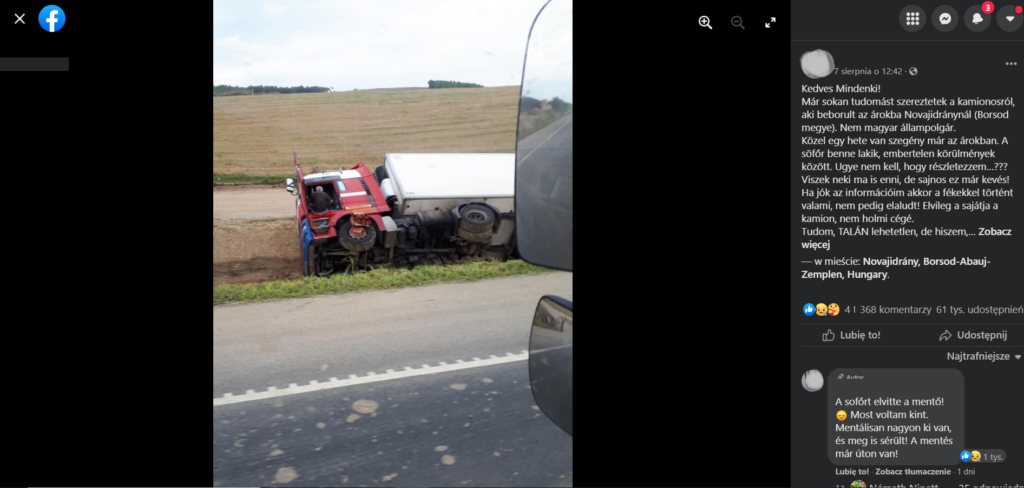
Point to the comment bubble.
(909, 416)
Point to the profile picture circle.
(858, 484)
(812, 380)
(817, 64)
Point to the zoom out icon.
(51, 18)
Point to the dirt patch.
(254, 235)
(256, 270)
(255, 250)
(253, 203)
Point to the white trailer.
(428, 181)
(423, 182)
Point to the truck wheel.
(353, 243)
(478, 237)
(476, 218)
(380, 174)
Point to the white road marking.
(545, 140)
(294, 389)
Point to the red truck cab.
(355, 211)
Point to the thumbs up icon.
(828, 336)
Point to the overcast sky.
(349, 44)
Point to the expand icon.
(51, 18)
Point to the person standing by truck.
(320, 200)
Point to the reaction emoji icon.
(841, 415)
(975, 456)
(833, 309)
(965, 456)
(808, 309)
(821, 310)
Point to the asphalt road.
(468, 425)
(544, 194)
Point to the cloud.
(226, 41)
(371, 44)
(274, 9)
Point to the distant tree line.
(556, 104)
(451, 84)
(227, 90)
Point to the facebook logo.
(51, 18)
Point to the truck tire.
(476, 218)
(380, 174)
(478, 237)
(357, 244)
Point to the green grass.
(378, 279)
(250, 178)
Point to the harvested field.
(256, 135)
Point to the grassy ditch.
(377, 279)
(250, 179)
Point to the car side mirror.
(551, 360)
(290, 185)
(544, 141)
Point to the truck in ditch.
(414, 209)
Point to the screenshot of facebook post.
(907, 255)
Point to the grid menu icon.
(913, 18)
